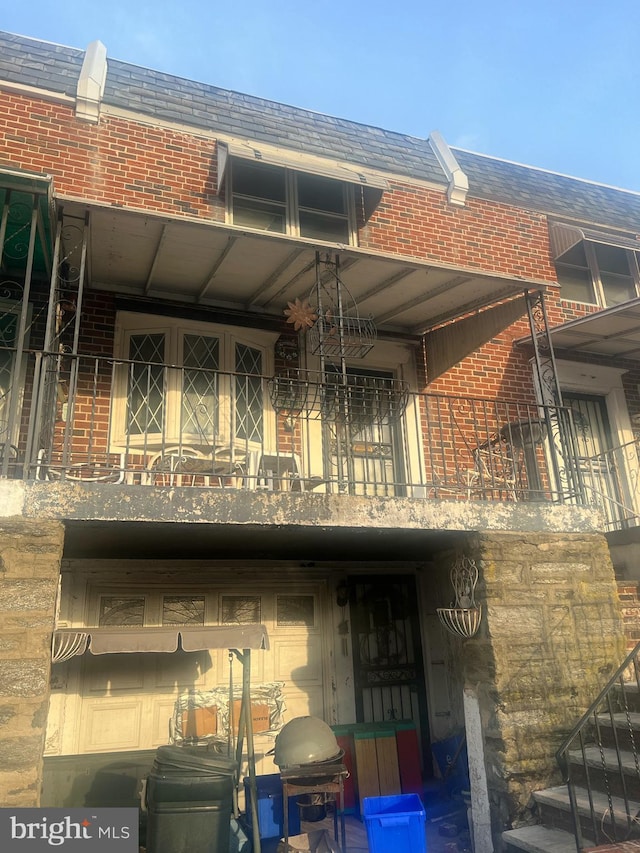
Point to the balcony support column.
(30, 557)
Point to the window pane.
(258, 181)
(612, 259)
(260, 215)
(183, 610)
(321, 194)
(617, 288)
(145, 400)
(241, 609)
(200, 387)
(117, 610)
(294, 610)
(321, 227)
(575, 284)
(249, 397)
(259, 197)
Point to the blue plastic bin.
(395, 823)
(270, 807)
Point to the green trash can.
(189, 801)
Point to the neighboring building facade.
(264, 366)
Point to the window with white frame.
(188, 383)
(285, 201)
(598, 274)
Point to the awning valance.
(68, 642)
(564, 237)
(273, 156)
(448, 345)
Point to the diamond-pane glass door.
(200, 391)
(249, 413)
(146, 397)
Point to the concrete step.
(597, 826)
(539, 839)
(606, 759)
(558, 798)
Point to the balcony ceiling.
(218, 265)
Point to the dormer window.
(285, 201)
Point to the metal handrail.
(603, 787)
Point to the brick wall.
(134, 164)
(486, 235)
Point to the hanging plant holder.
(463, 617)
(295, 391)
(360, 401)
(342, 337)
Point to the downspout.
(91, 83)
(458, 181)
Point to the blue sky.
(551, 83)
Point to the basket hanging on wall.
(463, 617)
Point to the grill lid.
(303, 741)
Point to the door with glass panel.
(363, 436)
(602, 467)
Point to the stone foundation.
(30, 554)
(550, 638)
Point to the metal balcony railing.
(612, 482)
(95, 419)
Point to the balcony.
(101, 420)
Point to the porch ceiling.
(216, 264)
(140, 540)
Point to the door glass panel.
(183, 610)
(201, 359)
(600, 468)
(362, 431)
(249, 396)
(241, 610)
(295, 610)
(118, 610)
(146, 399)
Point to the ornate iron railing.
(116, 420)
(600, 763)
(612, 482)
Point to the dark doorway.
(387, 653)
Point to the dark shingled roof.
(547, 192)
(39, 63)
(223, 111)
(165, 96)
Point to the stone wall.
(551, 636)
(30, 554)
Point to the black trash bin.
(189, 801)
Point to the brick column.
(551, 636)
(30, 554)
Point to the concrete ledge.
(100, 502)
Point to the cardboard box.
(259, 716)
(200, 722)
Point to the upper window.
(272, 198)
(598, 274)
